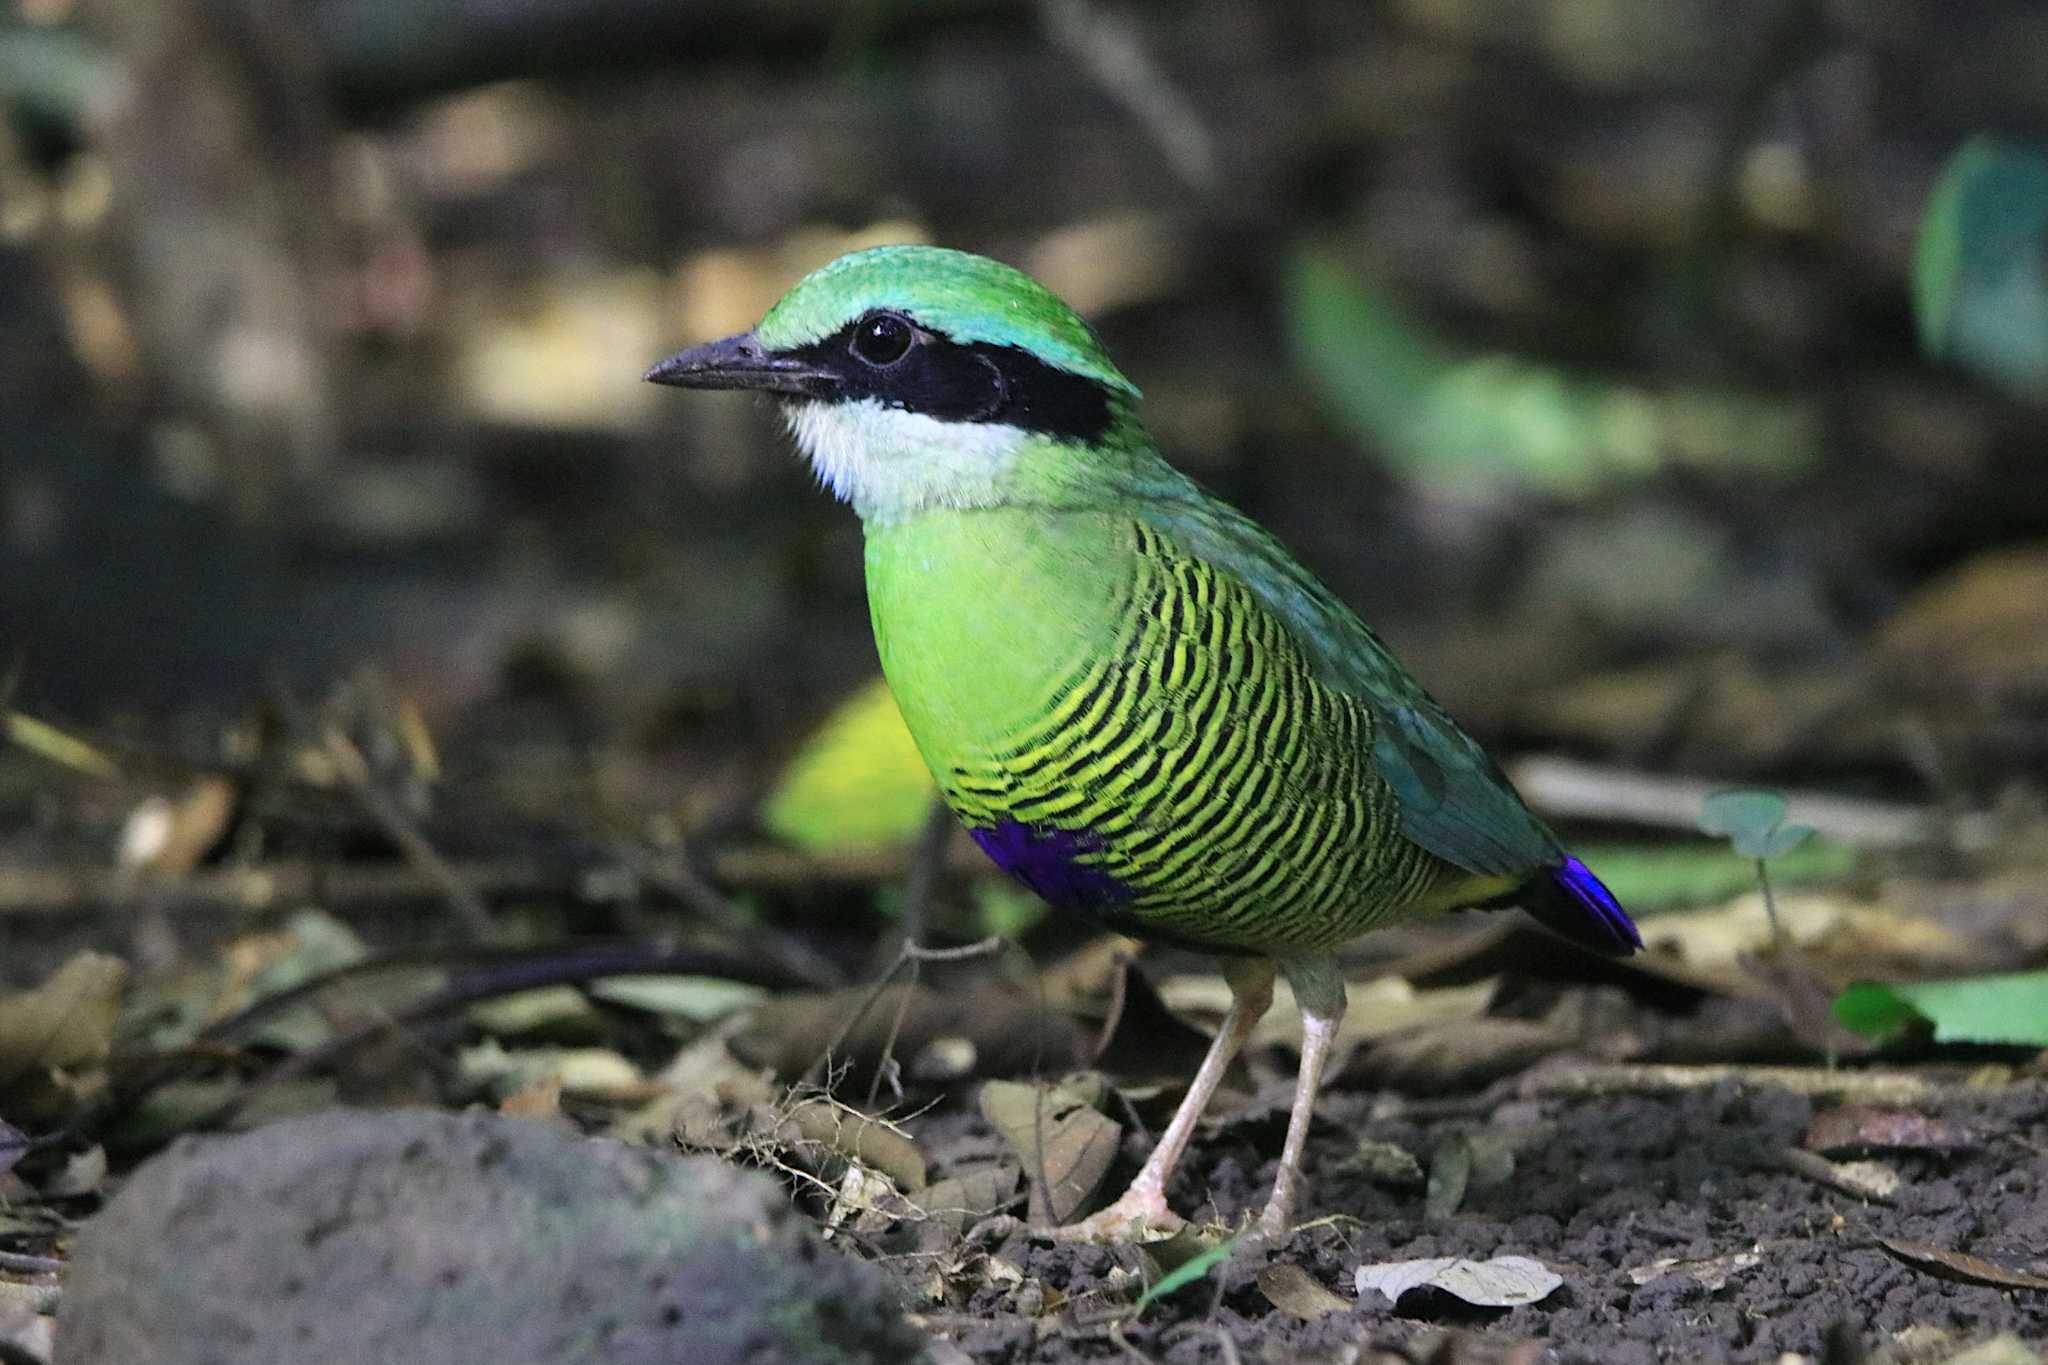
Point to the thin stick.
(672, 871)
(354, 771)
(1566, 787)
(911, 953)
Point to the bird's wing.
(1454, 799)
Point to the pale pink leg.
(1143, 1205)
(1319, 989)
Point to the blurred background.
(1663, 377)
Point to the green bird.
(1139, 703)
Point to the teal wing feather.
(1454, 799)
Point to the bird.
(1139, 703)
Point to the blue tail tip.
(1600, 922)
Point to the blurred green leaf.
(1006, 910)
(51, 73)
(1980, 268)
(858, 782)
(1984, 1009)
(1647, 877)
(1777, 843)
(1485, 419)
(1742, 812)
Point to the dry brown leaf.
(538, 1099)
(1293, 1290)
(868, 1141)
(165, 838)
(1870, 1128)
(1960, 1265)
(1079, 1143)
(952, 1205)
(1712, 1272)
(51, 1033)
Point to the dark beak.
(741, 362)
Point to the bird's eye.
(883, 339)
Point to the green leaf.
(1779, 841)
(858, 782)
(1187, 1273)
(1467, 420)
(1984, 1009)
(1980, 275)
(1661, 876)
(1741, 812)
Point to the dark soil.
(1600, 1186)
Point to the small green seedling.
(1187, 1273)
(1753, 822)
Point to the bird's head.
(915, 377)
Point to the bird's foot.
(1276, 1224)
(1139, 1216)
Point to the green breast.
(1080, 676)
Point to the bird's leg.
(1319, 989)
(1143, 1205)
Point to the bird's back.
(1128, 728)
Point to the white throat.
(888, 462)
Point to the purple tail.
(1568, 899)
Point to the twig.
(1809, 1166)
(68, 891)
(671, 871)
(1629, 1078)
(1566, 787)
(21, 1263)
(354, 771)
(1110, 49)
(911, 953)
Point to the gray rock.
(431, 1238)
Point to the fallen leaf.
(1870, 1128)
(1503, 1282)
(51, 1033)
(1450, 1173)
(2011, 1008)
(952, 1205)
(594, 1072)
(1959, 1265)
(1293, 1290)
(559, 1013)
(1384, 1163)
(699, 998)
(861, 1139)
(1079, 1143)
(164, 838)
(1871, 1180)
(540, 1100)
(1711, 1272)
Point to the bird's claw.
(1133, 1218)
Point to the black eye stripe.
(970, 382)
